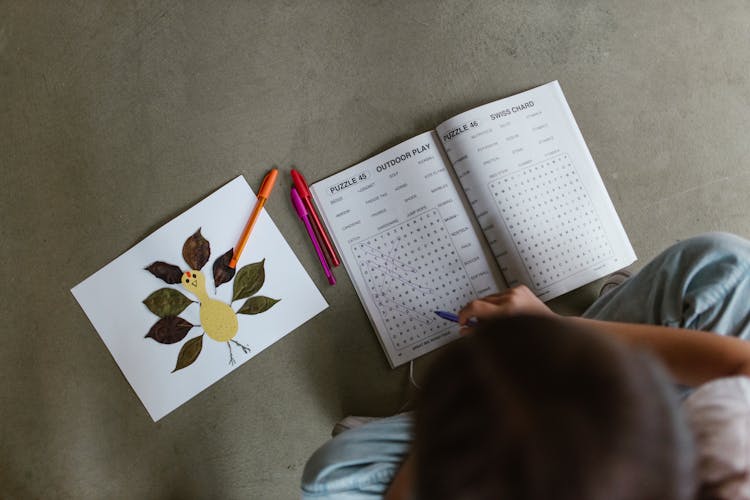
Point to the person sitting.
(532, 405)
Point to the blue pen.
(453, 317)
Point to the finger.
(496, 296)
(497, 299)
(508, 294)
(478, 309)
(466, 330)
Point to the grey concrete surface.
(115, 116)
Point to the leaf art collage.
(180, 318)
(218, 319)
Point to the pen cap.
(268, 181)
(298, 205)
(300, 184)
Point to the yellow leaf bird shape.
(217, 318)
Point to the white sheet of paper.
(113, 297)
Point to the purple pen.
(299, 207)
(454, 317)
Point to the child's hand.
(512, 302)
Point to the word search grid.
(412, 270)
(551, 219)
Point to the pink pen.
(299, 206)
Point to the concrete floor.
(116, 116)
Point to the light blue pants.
(701, 283)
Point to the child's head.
(536, 409)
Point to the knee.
(712, 247)
(707, 266)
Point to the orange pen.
(265, 190)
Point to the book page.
(408, 243)
(536, 192)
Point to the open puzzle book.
(533, 203)
(177, 319)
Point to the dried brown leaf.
(167, 272)
(196, 251)
(169, 330)
(222, 271)
(189, 352)
(257, 305)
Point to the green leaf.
(249, 279)
(169, 330)
(257, 305)
(167, 302)
(167, 272)
(196, 251)
(222, 271)
(189, 352)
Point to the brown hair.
(534, 408)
